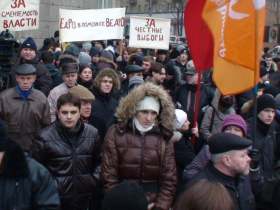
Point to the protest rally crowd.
(99, 125)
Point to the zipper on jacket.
(142, 158)
(15, 195)
(74, 155)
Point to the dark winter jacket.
(197, 164)
(87, 84)
(71, 158)
(186, 98)
(55, 74)
(24, 117)
(267, 142)
(147, 158)
(239, 187)
(179, 71)
(214, 116)
(25, 184)
(102, 111)
(184, 154)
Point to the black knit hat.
(3, 135)
(224, 142)
(265, 101)
(29, 43)
(126, 196)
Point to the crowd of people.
(102, 126)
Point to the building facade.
(49, 16)
(171, 9)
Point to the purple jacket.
(197, 164)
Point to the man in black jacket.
(69, 149)
(230, 166)
(266, 143)
(24, 183)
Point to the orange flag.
(237, 27)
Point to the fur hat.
(82, 93)
(148, 103)
(68, 64)
(29, 43)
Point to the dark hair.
(68, 98)
(148, 59)
(56, 34)
(135, 59)
(83, 66)
(205, 195)
(156, 67)
(47, 57)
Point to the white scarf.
(140, 128)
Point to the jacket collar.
(15, 95)
(228, 181)
(157, 130)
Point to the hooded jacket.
(145, 158)
(214, 117)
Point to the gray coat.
(213, 118)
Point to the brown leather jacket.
(25, 118)
(147, 159)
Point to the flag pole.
(197, 104)
(256, 76)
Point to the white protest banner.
(19, 15)
(86, 25)
(149, 32)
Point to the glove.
(255, 158)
